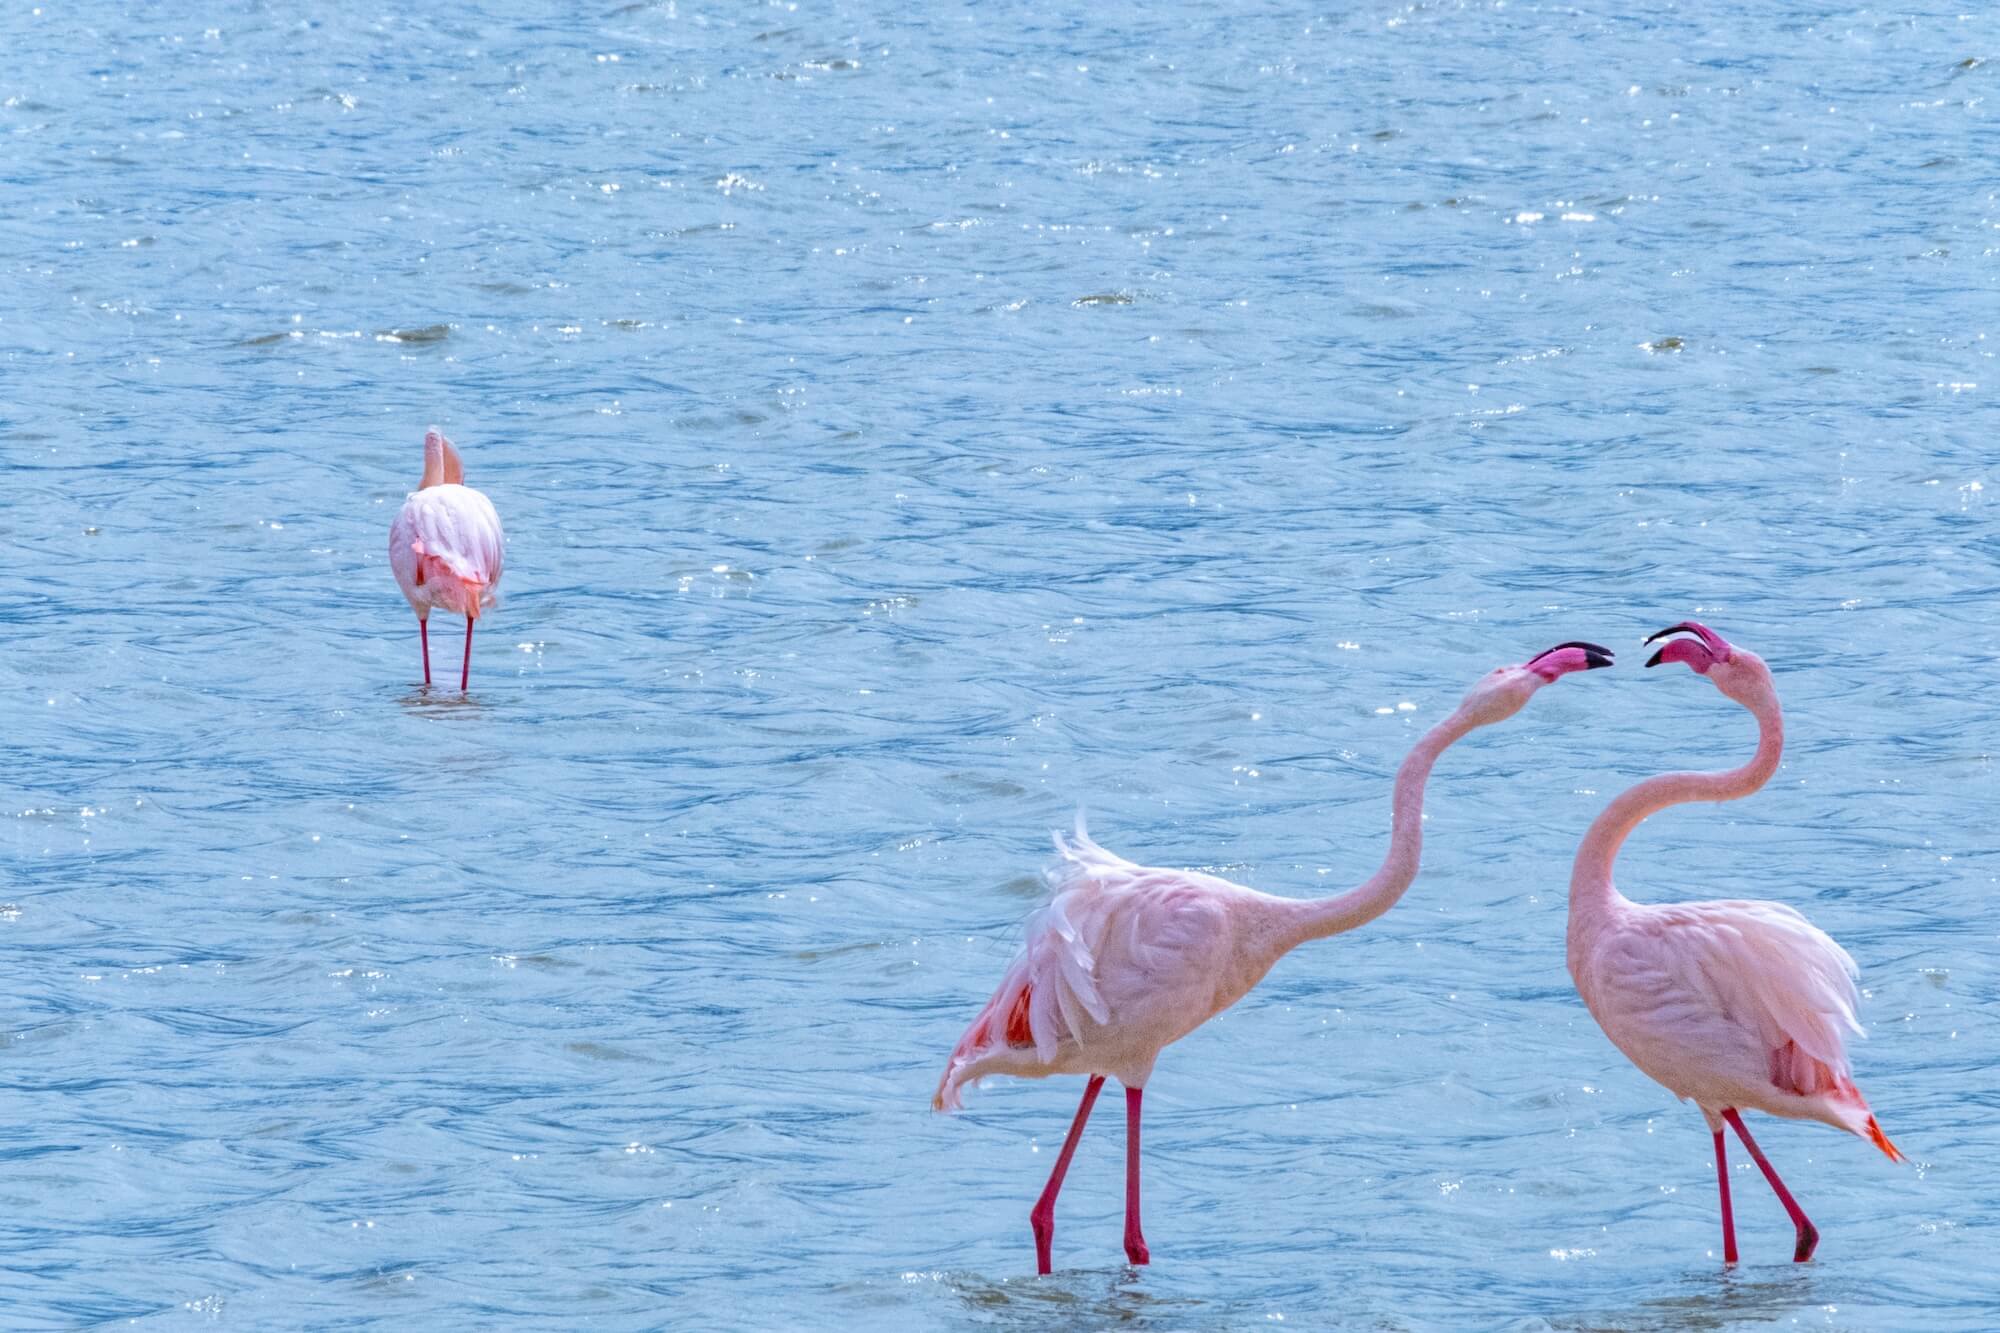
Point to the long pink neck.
(1591, 892)
(1321, 917)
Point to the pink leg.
(1135, 1242)
(1808, 1233)
(1043, 1218)
(465, 672)
(1722, 1181)
(424, 637)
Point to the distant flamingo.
(445, 547)
(1124, 960)
(1733, 1004)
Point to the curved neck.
(1590, 888)
(442, 466)
(1320, 917)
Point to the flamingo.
(1126, 959)
(446, 547)
(1736, 1004)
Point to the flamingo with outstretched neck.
(1125, 959)
(1734, 1004)
(446, 547)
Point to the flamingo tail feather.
(1881, 1140)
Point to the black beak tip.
(1596, 657)
(1654, 660)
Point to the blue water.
(911, 422)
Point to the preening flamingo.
(1733, 1004)
(446, 547)
(1125, 959)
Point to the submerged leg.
(1722, 1182)
(424, 637)
(465, 672)
(1043, 1217)
(1135, 1241)
(1808, 1233)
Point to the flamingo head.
(1737, 672)
(1503, 692)
(441, 462)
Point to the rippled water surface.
(912, 422)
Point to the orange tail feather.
(1881, 1140)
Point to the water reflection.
(1708, 1299)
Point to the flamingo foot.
(1135, 1249)
(1808, 1242)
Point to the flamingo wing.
(454, 532)
(1708, 997)
(1050, 990)
(1765, 965)
(1121, 957)
(1735, 1004)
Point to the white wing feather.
(1721, 999)
(1763, 963)
(1167, 924)
(457, 526)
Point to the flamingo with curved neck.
(1734, 1004)
(1125, 959)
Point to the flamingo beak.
(1702, 655)
(1566, 657)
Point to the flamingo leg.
(1722, 1183)
(1043, 1216)
(1135, 1241)
(424, 637)
(465, 672)
(1808, 1233)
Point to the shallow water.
(912, 423)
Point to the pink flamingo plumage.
(446, 547)
(1126, 959)
(1736, 1004)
